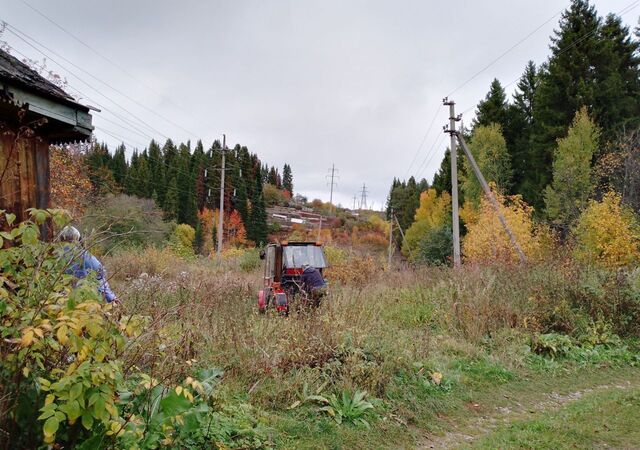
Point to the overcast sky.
(310, 83)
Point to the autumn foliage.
(71, 188)
(607, 233)
(486, 240)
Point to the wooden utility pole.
(491, 197)
(221, 213)
(454, 180)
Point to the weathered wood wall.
(24, 175)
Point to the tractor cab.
(283, 267)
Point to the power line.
(89, 85)
(109, 60)
(433, 120)
(503, 54)
(133, 128)
(620, 13)
(494, 61)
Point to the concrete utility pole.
(221, 213)
(331, 183)
(491, 197)
(390, 238)
(454, 180)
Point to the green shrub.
(123, 221)
(250, 260)
(552, 344)
(69, 365)
(182, 240)
(436, 246)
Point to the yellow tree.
(607, 233)
(71, 188)
(433, 213)
(486, 240)
(489, 149)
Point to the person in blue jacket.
(313, 282)
(83, 263)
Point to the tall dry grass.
(366, 331)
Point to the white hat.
(69, 234)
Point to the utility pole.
(491, 197)
(454, 180)
(390, 238)
(331, 183)
(221, 214)
(363, 197)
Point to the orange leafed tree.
(235, 234)
(71, 188)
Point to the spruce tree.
(131, 180)
(118, 165)
(157, 170)
(273, 176)
(187, 208)
(171, 200)
(198, 164)
(258, 215)
(518, 133)
(287, 179)
(572, 185)
(442, 178)
(617, 98)
(142, 182)
(567, 82)
(493, 109)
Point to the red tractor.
(283, 267)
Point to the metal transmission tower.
(363, 197)
(331, 176)
(451, 129)
(355, 198)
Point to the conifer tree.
(572, 185)
(567, 82)
(142, 181)
(258, 222)
(518, 132)
(187, 208)
(131, 180)
(493, 109)
(171, 200)
(156, 169)
(287, 179)
(198, 164)
(118, 165)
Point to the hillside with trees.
(319, 326)
(561, 141)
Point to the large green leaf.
(174, 404)
(51, 426)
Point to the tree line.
(591, 80)
(566, 136)
(184, 182)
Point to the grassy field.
(431, 352)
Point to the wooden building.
(34, 114)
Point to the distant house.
(34, 114)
